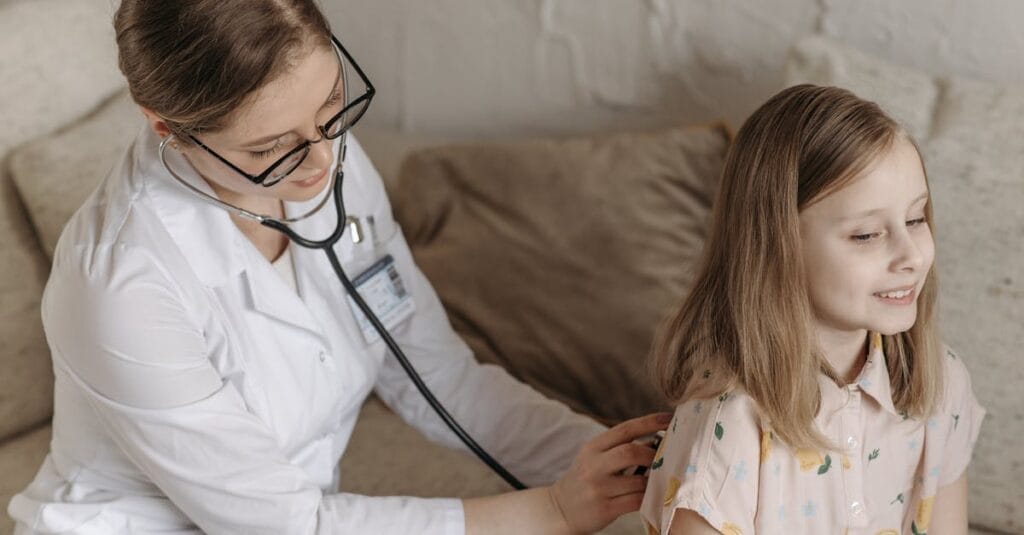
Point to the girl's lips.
(907, 299)
(312, 181)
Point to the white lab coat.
(195, 390)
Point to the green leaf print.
(915, 531)
(956, 421)
(899, 498)
(657, 464)
(723, 397)
(826, 465)
(719, 430)
(873, 455)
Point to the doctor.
(209, 374)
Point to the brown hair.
(747, 322)
(193, 62)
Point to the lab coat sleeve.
(534, 437)
(123, 338)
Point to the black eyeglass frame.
(367, 96)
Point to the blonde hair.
(747, 323)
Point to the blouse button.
(857, 508)
(323, 356)
(851, 442)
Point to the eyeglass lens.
(342, 123)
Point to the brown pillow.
(557, 259)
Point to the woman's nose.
(320, 154)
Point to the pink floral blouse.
(718, 460)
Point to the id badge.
(384, 291)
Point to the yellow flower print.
(888, 532)
(766, 444)
(670, 492)
(809, 459)
(730, 529)
(658, 460)
(846, 463)
(876, 341)
(924, 514)
(651, 530)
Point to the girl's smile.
(867, 249)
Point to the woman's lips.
(313, 180)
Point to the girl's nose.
(909, 256)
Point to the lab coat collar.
(216, 249)
(204, 233)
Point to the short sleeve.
(963, 416)
(708, 463)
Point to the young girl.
(812, 395)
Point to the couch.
(555, 258)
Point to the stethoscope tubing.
(327, 245)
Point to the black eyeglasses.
(332, 129)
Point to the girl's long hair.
(747, 323)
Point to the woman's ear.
(157, 123)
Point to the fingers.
(627, 503)
(624, 456)
(631, 430)
(622, 485)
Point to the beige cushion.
(57, 63)
(55, 174)
(557, 258)
(976, 168)
(974, 153)
(20, 459)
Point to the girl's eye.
(916, 222)
(864, 238)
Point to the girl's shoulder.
(956, 380)
(733, 414)
(707, 462)
(954, 425)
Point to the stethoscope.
(327, 245)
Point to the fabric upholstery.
(972, 151)
(36, 38)
(20, 458)
(975, 163)
(558, 258)
(55, 174)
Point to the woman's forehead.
(289, 102)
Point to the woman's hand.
(594, 492)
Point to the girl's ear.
(157, 123)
